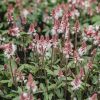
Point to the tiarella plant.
(49, 49)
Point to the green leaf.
(1, 25)
(59, 94)
(69, 78)
(50, 96)
(4, 81)
(71, 64)
(25, 66)
(96, 18)
(42, 87)
(23, 33)
(16, 98)
(10, 84)
(51, 87)
(79, 94)
(29, 67)
(46, 97)
(95, 79)
(19, 90)
(61, 85)
(49, 71)
(10, 95)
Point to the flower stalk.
(11, 70)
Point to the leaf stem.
(66, 77)
(11, 71)
(52, 57)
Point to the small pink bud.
(93, 97)
(93, 52)
(81, 74)
(17, 60)
(5, 67)
(90, 65)
(60, 74)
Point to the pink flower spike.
(32, 46)
(76, 83)
(55, 27)
(67, 50)
(5, 66)
(77, 26)
(93, 97)
(36, 37)
(93, 52)
(90, 31)
(10, 18)
(90, 11)
(81, 74)
(14, 31)
(83, 48)
(54, 40)
(42, 39)
(23, 20)
(47, 38)
(90, 65)
(57, 12)
(26, 96)
(98, 8)
(31, 29)
(9, 49)
(19, 75)
(62, 26)
(56, 24)
(31, 84)
(76, 56)
(60, 74)
(10, 9)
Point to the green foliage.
(52, 72)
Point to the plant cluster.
(49, 50)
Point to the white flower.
(74, 98)
(47, 55)
(2, 38)
(75, 13)
(69, 0)
(53, 31)
(53, 1)
(74, 1)
(97, 27)
(85, 38)
(82, 49)
(76, 83)
(60, 30)
(25, 12)
(25, 94)
(9, 50)
(58, 13)
(86, 4)
(95, 42)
